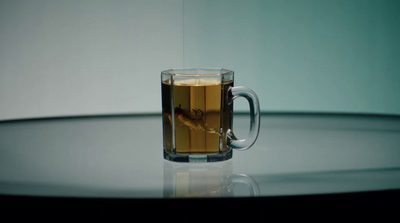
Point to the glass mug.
(197, 110)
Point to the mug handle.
(243, 144)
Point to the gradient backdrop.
(77, 57)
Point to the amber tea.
(196, 109)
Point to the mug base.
(197, 158)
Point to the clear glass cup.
(197, 109)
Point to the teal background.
(105, 57)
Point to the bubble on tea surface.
(197, 82)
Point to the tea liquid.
(201, 115)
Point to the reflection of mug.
(197, 106)
(205, 180)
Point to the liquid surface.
(201, 116)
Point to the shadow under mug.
(197, 109)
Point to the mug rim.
(198, 71)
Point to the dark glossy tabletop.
(121, 157)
